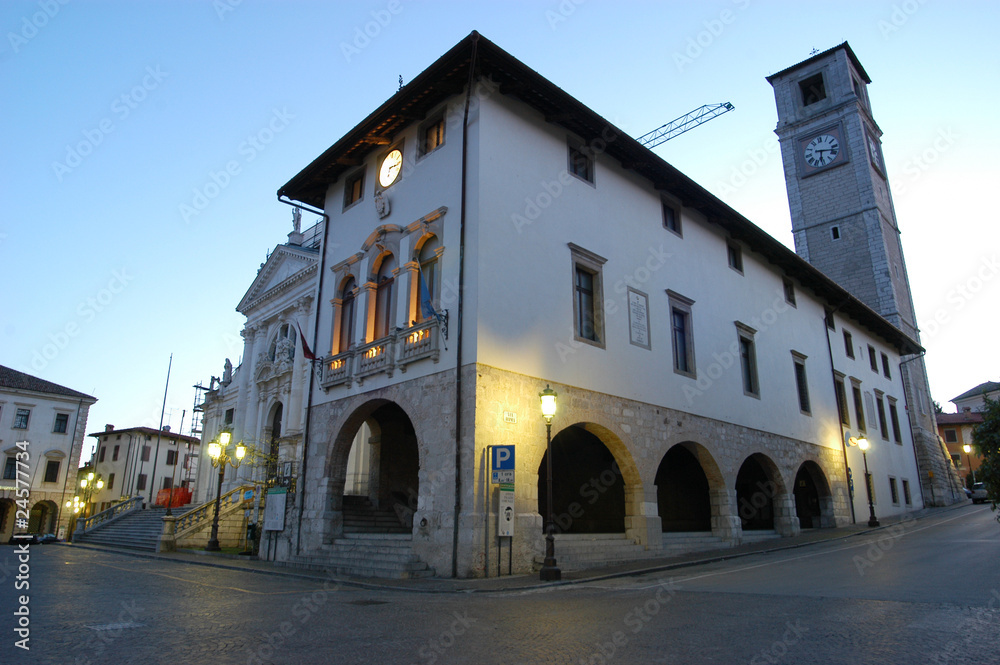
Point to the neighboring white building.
(708, 378)
(43, 424)
(262, 400)
(974, 399)
(141, 461)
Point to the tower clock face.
(388, 172)
(821, 151)
(873, 151)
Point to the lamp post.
(219, 452)
(550, 571)
(89, 485)
(864, 445)
(968, 455)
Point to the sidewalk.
(529, 581)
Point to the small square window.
(812, 89)
(581, 163)
(735, 254)
(789, 288)
(950, 436)
(354, 189)
(52, 471)
(835, 233)
(885, 366)
(848, 344)
(21, 417)
(872, 358)
(432, 135)
(62, 422)
(671, 218)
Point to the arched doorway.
(813, 499)
(378, 475)
(273, 447)
(588, 491)
(42, 518)
(682, 492)
(755, 493)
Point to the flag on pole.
(306, 351)
(426, 306)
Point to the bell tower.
(844, 223)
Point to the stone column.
(725, 520)
(642, 523)
(786, 522)
(168, 543)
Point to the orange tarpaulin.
(178, 496)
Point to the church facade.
(486, 237)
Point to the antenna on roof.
(400, 81)
(814, 51)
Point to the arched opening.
(282, 347)
(380, 473)
(813, 499)
(272, 451)
(384, 281)
(755, 493)
(682, 492)
(42, 518)
(588, 491)
(427, 259)
(347, 302)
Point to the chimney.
(166, 428)
(966, 409)
(109, 428)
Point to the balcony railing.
(397, 350)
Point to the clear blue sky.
(115, 114)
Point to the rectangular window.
(62, 422)
(897, 435)
(111, 481)
(801, 382)
(872, 358)
(893, 491)
(101, 453)
(735, 254)
(789, 288)
(581, 163)
(52, 471)
(171, 457)
(848, 344)
(229, 416)
(168, 483)
(859, 407)
(951, 436)
(145, 453)
(748, 359)
(883, 426)
(432, 136)
(885, 367)
(906, 492)
(682, 334)
(21, 417)
(812, 89)
(588, 298)
(671, 218)
(830, 323)
(140, 484)
(354, 189)
(10, 469)
(114, 454)
(845, 416)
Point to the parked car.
(968, 492)
(979, 493)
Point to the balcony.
(398, 350)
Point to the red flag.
(305, 345)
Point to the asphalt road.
(925, 591)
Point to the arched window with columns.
(427, 258)
(383, 319)
(346, 324)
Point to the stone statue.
(227, 373)
(296, 220)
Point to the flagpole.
(156, 457)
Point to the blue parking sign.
(503, 458)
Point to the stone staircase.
(759, 535)
(362, 517)
(383, 555)
(676, 543)
(138, 531)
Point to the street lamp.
(550, 571)
(862, 443)
(968, 455)
(219, 452)
(89, 486)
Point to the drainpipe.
(461, 300)
(836, 396)
(69, 467)
(301, 488)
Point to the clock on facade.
(822, 150)
(392, 163)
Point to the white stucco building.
(708, 378)
(42, 425)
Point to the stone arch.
(813, 497)
(685, 481)
(273, 431)
(7, 511)
(42, 518)
(395, 469)
(760, 491)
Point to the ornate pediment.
(286, 267)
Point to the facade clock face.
(873, 150)
(388, 172)
(822, 150)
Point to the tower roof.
(845, 46)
